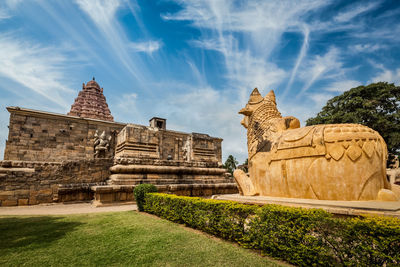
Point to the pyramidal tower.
(91, 103)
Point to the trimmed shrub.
(300, 236)
(140, 191)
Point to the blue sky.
(193, 62)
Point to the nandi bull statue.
(327, 162)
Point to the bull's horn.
(255, 97)
(271, 96)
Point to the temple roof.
(91, 103)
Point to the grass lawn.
(114, 239)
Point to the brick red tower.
(91, 103)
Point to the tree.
(375, 105)
(230, 164)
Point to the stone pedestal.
(341, 208)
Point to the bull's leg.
(246, 187)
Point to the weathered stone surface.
(50, 157)
(91, 103)
(386, 195)
(58, 138)
(179, 163)
(43, 181)
(326, 162)
(141, 142)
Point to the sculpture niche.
(327, 162)
(101, 144)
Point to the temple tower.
(91, 103)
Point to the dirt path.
(61, 209)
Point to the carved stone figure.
(101, 144)
(327, 162)
(186, 150)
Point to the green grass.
(114, 239)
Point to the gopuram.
(334, 162)
(85, 155)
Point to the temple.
(91, 103)
(85, 155)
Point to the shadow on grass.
(19, 233)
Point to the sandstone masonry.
(85, 155)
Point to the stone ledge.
(117, 194)
(344, 208)
(10, 170)
(131, 169)
(161, 162)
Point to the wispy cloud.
(355, 11)
(250, 16)
(341, 86)
(320, 99)
(206, 110)
(38, 68)
(103, 13)
(386, 75)
(329, 63)
(146, 47)
(6, 8)
(367, 48)
(4, 14)
(261, 23)
(303, 51)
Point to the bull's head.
(254, 102)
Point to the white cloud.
(6, 8)
(341, 86)
(260, 24)
(249, 16)
(369, 48)
(146, 47)
(320, 99)
(391, 76)
(127, 102)
(319, 66)
(206, 110)
(302, 53)
(4, 14)
(38, 68)
(354, 11)
(103, 13)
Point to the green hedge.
(140, 191)
(300, 236)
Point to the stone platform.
(341, 208)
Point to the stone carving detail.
(91, 103)
(328, 162)
(187, 150)
(101, 144)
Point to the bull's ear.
(271, 96)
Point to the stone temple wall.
(137, 141)
(50, 157)
(32, 182)
(44, 136)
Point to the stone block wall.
(136, 141)
(30, 182)
(44, 136)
